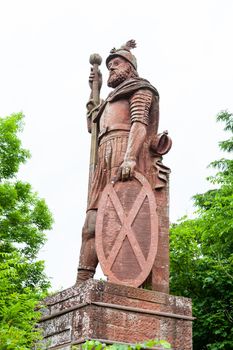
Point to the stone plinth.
(115, 313)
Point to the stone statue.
(127, 225)
(126, 129)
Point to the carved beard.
(118, 75)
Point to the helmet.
(124, 51)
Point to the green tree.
(202, 255)
(24, 218)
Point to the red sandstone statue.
(126, 127)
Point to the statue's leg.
(88, 258)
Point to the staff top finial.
(95, 58)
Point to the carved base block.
(115, 313)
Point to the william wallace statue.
(129, 150)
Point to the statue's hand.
(127, 169)
(92, 77)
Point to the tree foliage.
(202, 255)
(148, 344)
(23, 220)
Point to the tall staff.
(95, 60)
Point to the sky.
(184, 48)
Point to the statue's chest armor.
(115, 113)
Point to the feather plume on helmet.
(125, 52)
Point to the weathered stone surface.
(160, 271)
(127, 217)
(116, 313)
(127, 231)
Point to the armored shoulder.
(140, 103)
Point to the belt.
(115, 127)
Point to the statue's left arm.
(140, 104)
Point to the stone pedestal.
(113, 313)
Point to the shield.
(127, 231)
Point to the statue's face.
(119, 71)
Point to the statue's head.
(121, 64)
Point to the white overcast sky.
(185, 49)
